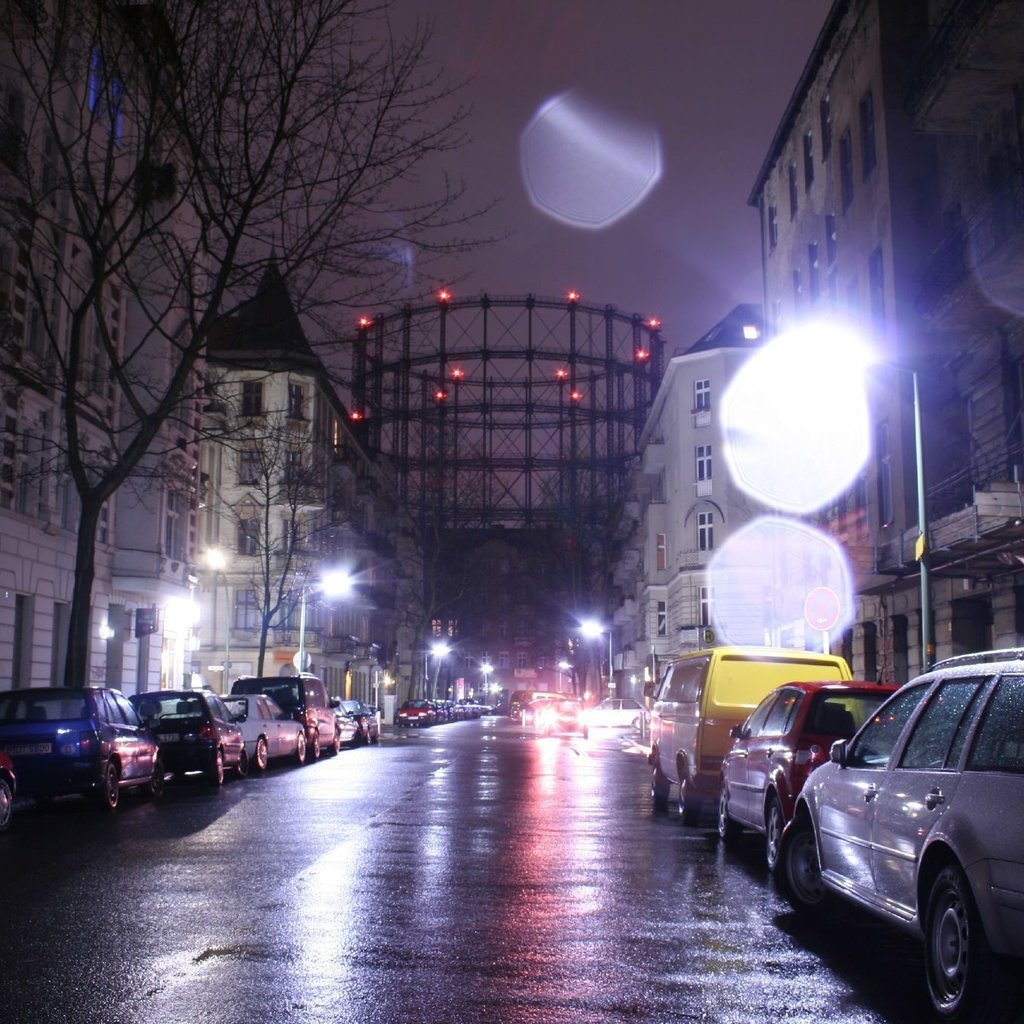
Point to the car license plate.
(22, 749)
(168, 737)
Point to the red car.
(785, 738)
(415, 712)
(558, 714)
(7, 790)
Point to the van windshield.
(743, 682)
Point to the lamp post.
(592, 629)
(439, 650)
(921, 547)
(217, 562)
(563, 668)
(486, 668)
(336, 583)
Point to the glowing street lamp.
(217, 561)
(334, 584)
(592, 629)
(439, 650)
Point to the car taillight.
(88, 743)
(208, 732)
(812, 756)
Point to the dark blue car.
(88, 741)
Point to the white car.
(617, 713)
(269, 733)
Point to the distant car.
(415, 712)
(617, 713)
(365, 720)
(559, 715)
(305, 699)
(88, 741)
(785, 738)
(196, 732)
(919, 820)
(8, 790)
(268, 732)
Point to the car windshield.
(237, 705)
(842, 714)
(353, 707)
(415, 704)
(42, 707)
(170, 707)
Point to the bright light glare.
(439, 650)
(762, 576)
(336, 584)
(585, 166)
(795, 421)
(591, 628)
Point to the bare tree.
(160, 158)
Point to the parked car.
(520, 700)
(88, 741)
(617, 713)
(779, 745)
(702, 696)
(919, 819)
(415, 712)
(196, 732)
(8, 790)
(558, 714)
(365, 720)
(305, 699)
(268, 732)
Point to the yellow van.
(702, 695)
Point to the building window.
(175, 522)
(868, 154)
(883, 454)
(705, 531)
(252, 398)
(521, 659)
(661, 552)
(662, 614)
(813, 277)
(503, 660)
(296, 402)
(703, 457)
(846, 169)
(831, 240)
(773, 226)
(701, 395)
(292, 467)
(247, 611)
(798, 286)
(248, 466)
(706, 599)
(106, 96)
(794, 201)
(808, 161)
(876, 285)
(248, 536)
(825, 112)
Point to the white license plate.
(21, 749)
(168, 737)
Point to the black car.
(365, 718)
(303, 698)
(88, 741)
(8, 787)
(196, 732)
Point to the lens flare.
(770, 581)
(585, 166)
(795, 421)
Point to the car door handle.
(934, 798)
(870, 793)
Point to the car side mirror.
(736, 732)
(837, 753)
(335, 702)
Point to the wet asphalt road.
(469, 872)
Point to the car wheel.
(261, 757)
(300, 749)
(773, 826)
(155, 787)
(215, 772)
(243, 764)
(728, 830)
(109, 790)
(6, 804)
(313, 752)
(689, 806)
(966, 981)
(659, 788)
(798, 871)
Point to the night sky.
(695, 87)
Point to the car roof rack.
(981, 657)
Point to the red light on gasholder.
(574, 296)
(355, 415)
(575, 395)
(654, 323)
(444, 295)
(561, 374)
(365, 321)
(642, 354)
(440, 394)
(458, 373)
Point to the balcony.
(976, 271)
(970, 66)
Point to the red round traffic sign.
(821, 608)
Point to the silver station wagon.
(920, 819)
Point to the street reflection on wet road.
(469, 872)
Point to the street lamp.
(486, 668)
(592, 629)
(440, 651)
(336, 583)
(563, 668)
(217, 561)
